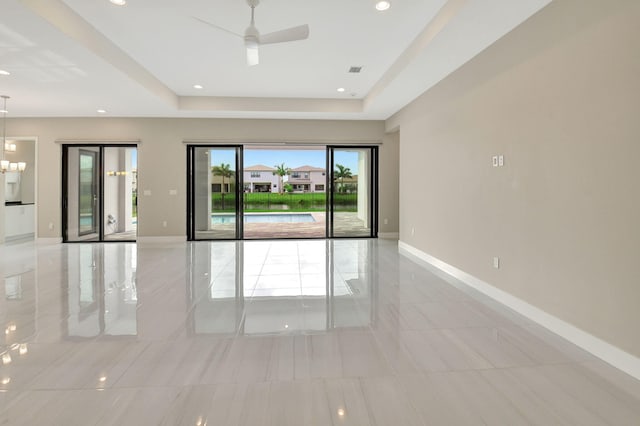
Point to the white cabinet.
(19, 220)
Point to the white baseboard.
(389, 235)
(48, 241)
(609, 353)
(161, 240)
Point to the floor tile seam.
(461, 327)
(477, 373)
(406, 397)
(380, 347)
(463, 346)
(576, 400)
(514, 341)
(137, 358)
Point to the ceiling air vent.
(355, 70)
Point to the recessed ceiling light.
(383, 5)
(341, 89)
(119, 2)
(198, 86)
(3, 72)
(101, 111)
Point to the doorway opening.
(284, 192)
(99, 193)
(266, 192)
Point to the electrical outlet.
(496, 262)
(413, 231)
(386, 221)
(51, 226)
(494, 161)
(164, 223)
(500, 160)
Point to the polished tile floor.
(308, 332)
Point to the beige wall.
(559, 97)
(388, 183)
(162, 158)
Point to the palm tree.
(342, 173)
(281, 171)
(225, 171)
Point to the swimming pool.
(217, 219)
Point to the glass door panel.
(82, 188)
(120, 193)
(352, 199)
(99, 199)
(88, 192)
(215, 205)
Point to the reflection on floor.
(278, 333)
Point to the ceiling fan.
(253, 39)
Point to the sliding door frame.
(100, 190)
(372, 181)
(191, 202)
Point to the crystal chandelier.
(6, 165)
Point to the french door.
(224, 202)
(99, 200)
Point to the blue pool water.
(264, 218)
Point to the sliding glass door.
(353, 195)
(99, 193)
(315, 192)
(214, 193)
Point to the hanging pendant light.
(6, 165)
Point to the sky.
(290, 158)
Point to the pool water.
(265, 218)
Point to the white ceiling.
(72, 57)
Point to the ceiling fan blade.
(253, 58)
(290, 34)
(217, 27)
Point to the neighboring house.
(308, 179)
(216, 183)
(260, 178)
(350, 184)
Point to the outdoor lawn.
(291, 202)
